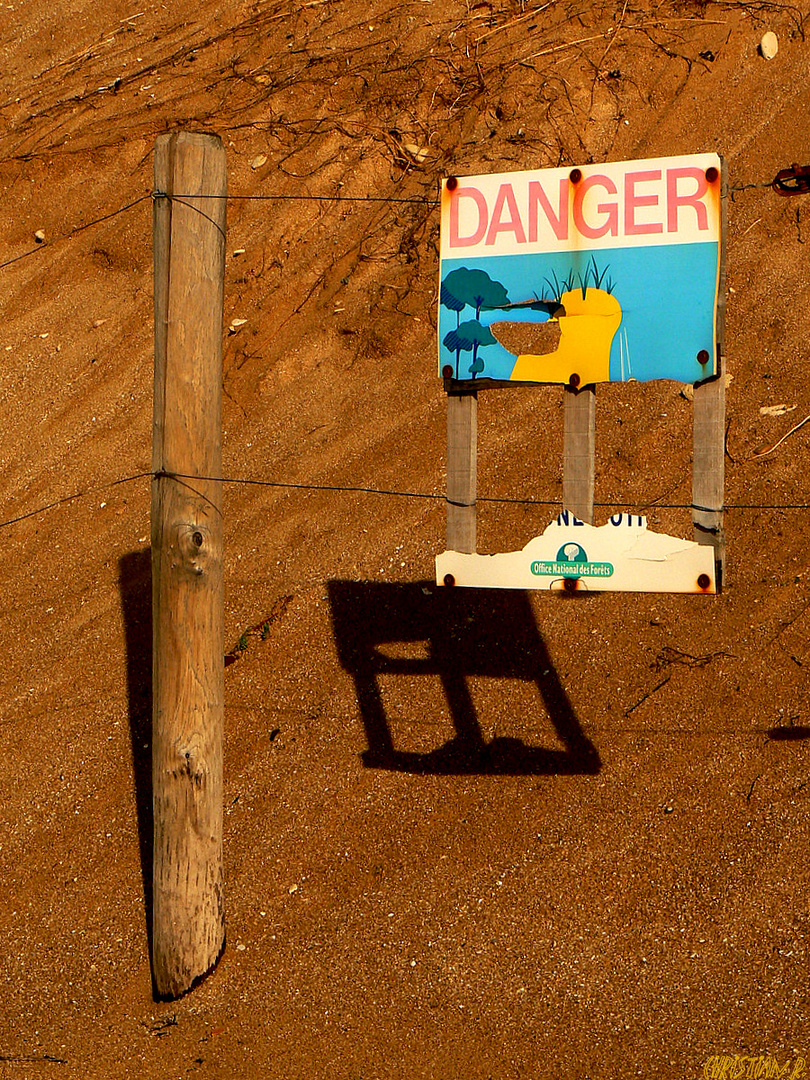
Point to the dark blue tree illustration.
(463, 287)
(449, 299)
(458, 343)
(470, 336)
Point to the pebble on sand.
(769, 45)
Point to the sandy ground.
(467, 836)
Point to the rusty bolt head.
(449, 580)
(447, 371)
(703, 356)
(574, 380)
(704, 581)
(451, 183)
(712, 174)
(571, 584)
(575, 176)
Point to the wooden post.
(579, 442)
(462, 469)
(709, 428)
(708, 468)
(188, 922)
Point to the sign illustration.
(621, 556)
(600, 273)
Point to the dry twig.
(776, 445)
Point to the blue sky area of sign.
(667, 296)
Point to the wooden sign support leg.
(579, 443)
(187, 588)
(462, 469)
(708, 469)
(709, 433)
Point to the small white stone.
(39, 236)
(769, 46)
(259, 161)
(418, 153)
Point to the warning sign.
(600, 273)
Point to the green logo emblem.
(571, 552)
(571, 562)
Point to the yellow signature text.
(762, 1067)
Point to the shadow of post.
(466, 632)
(135, 584)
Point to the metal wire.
(351, 489)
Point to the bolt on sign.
(604, 273)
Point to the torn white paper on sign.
(620, 556)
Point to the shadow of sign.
(783, 733)
(387, 632)
(135, 583)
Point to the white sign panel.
(621, 556)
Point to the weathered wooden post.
(579, 440)
(188, 921)
(462, 469)
(709, 432)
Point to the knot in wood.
(192, 765)
(194, 544)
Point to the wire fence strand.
(413, 200)
(337, 488)
(74, 232)
(418, 200)
(359, 489)
(84, 493)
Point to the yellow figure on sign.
(587, 323)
